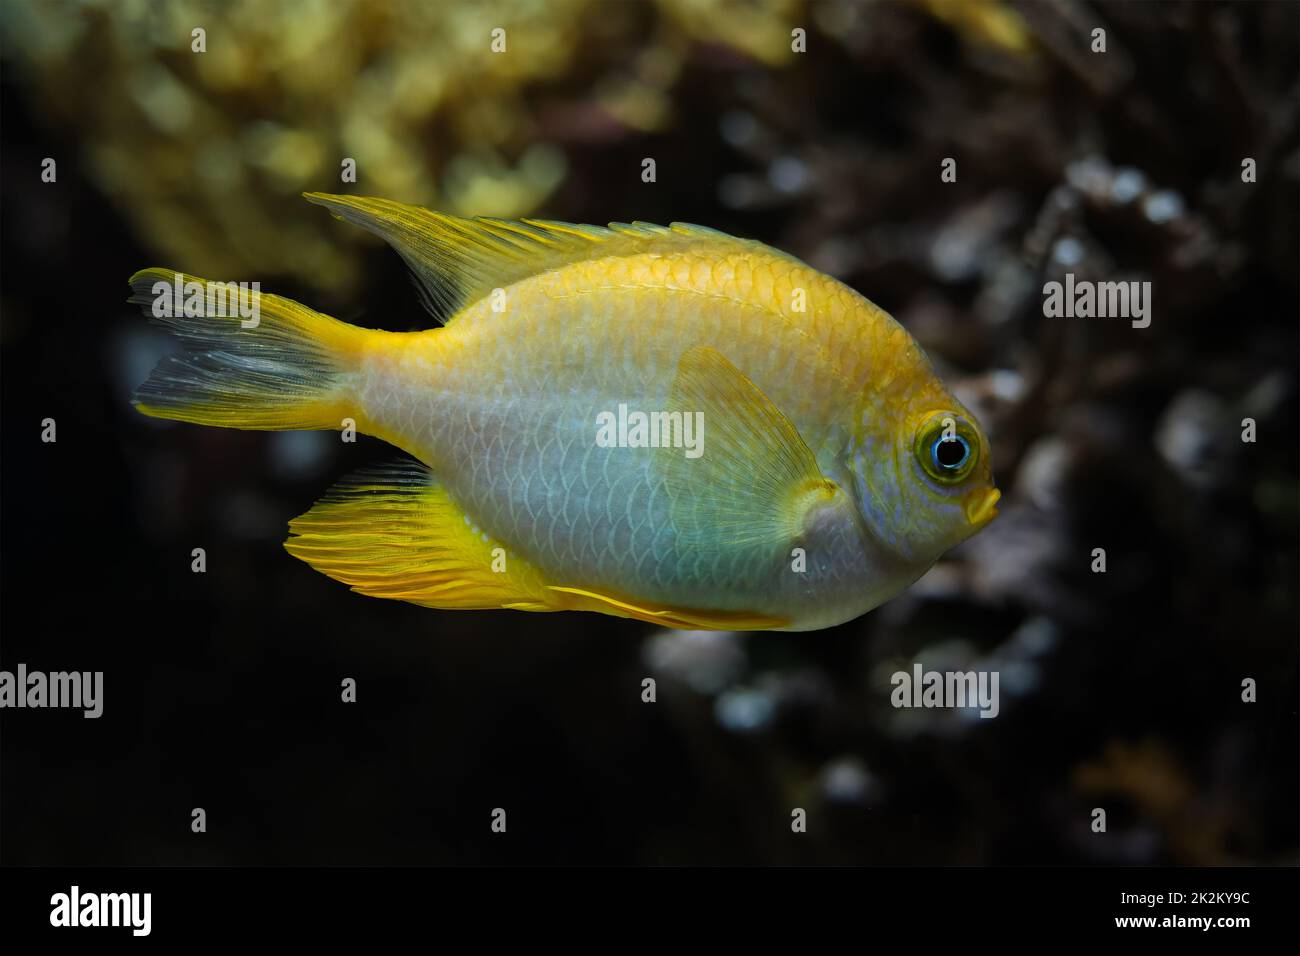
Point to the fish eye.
(947, 449)
(950, 453)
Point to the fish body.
(781, 491)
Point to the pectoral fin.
(756, 481)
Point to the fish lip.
(980, 507)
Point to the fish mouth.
(981, 506)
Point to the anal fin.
(394, 532)
(577, 599)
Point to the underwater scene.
(649, 433)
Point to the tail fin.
(250, 360)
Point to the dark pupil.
(950, 453)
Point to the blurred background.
(1119, 690)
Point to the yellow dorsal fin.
(578, 599)
(459, 261)
(755, 481)
(393, 532)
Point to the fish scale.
(511, 353)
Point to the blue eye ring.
(941, 444)
(936, 441)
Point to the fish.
(662, 423)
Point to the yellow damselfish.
(662, 423)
